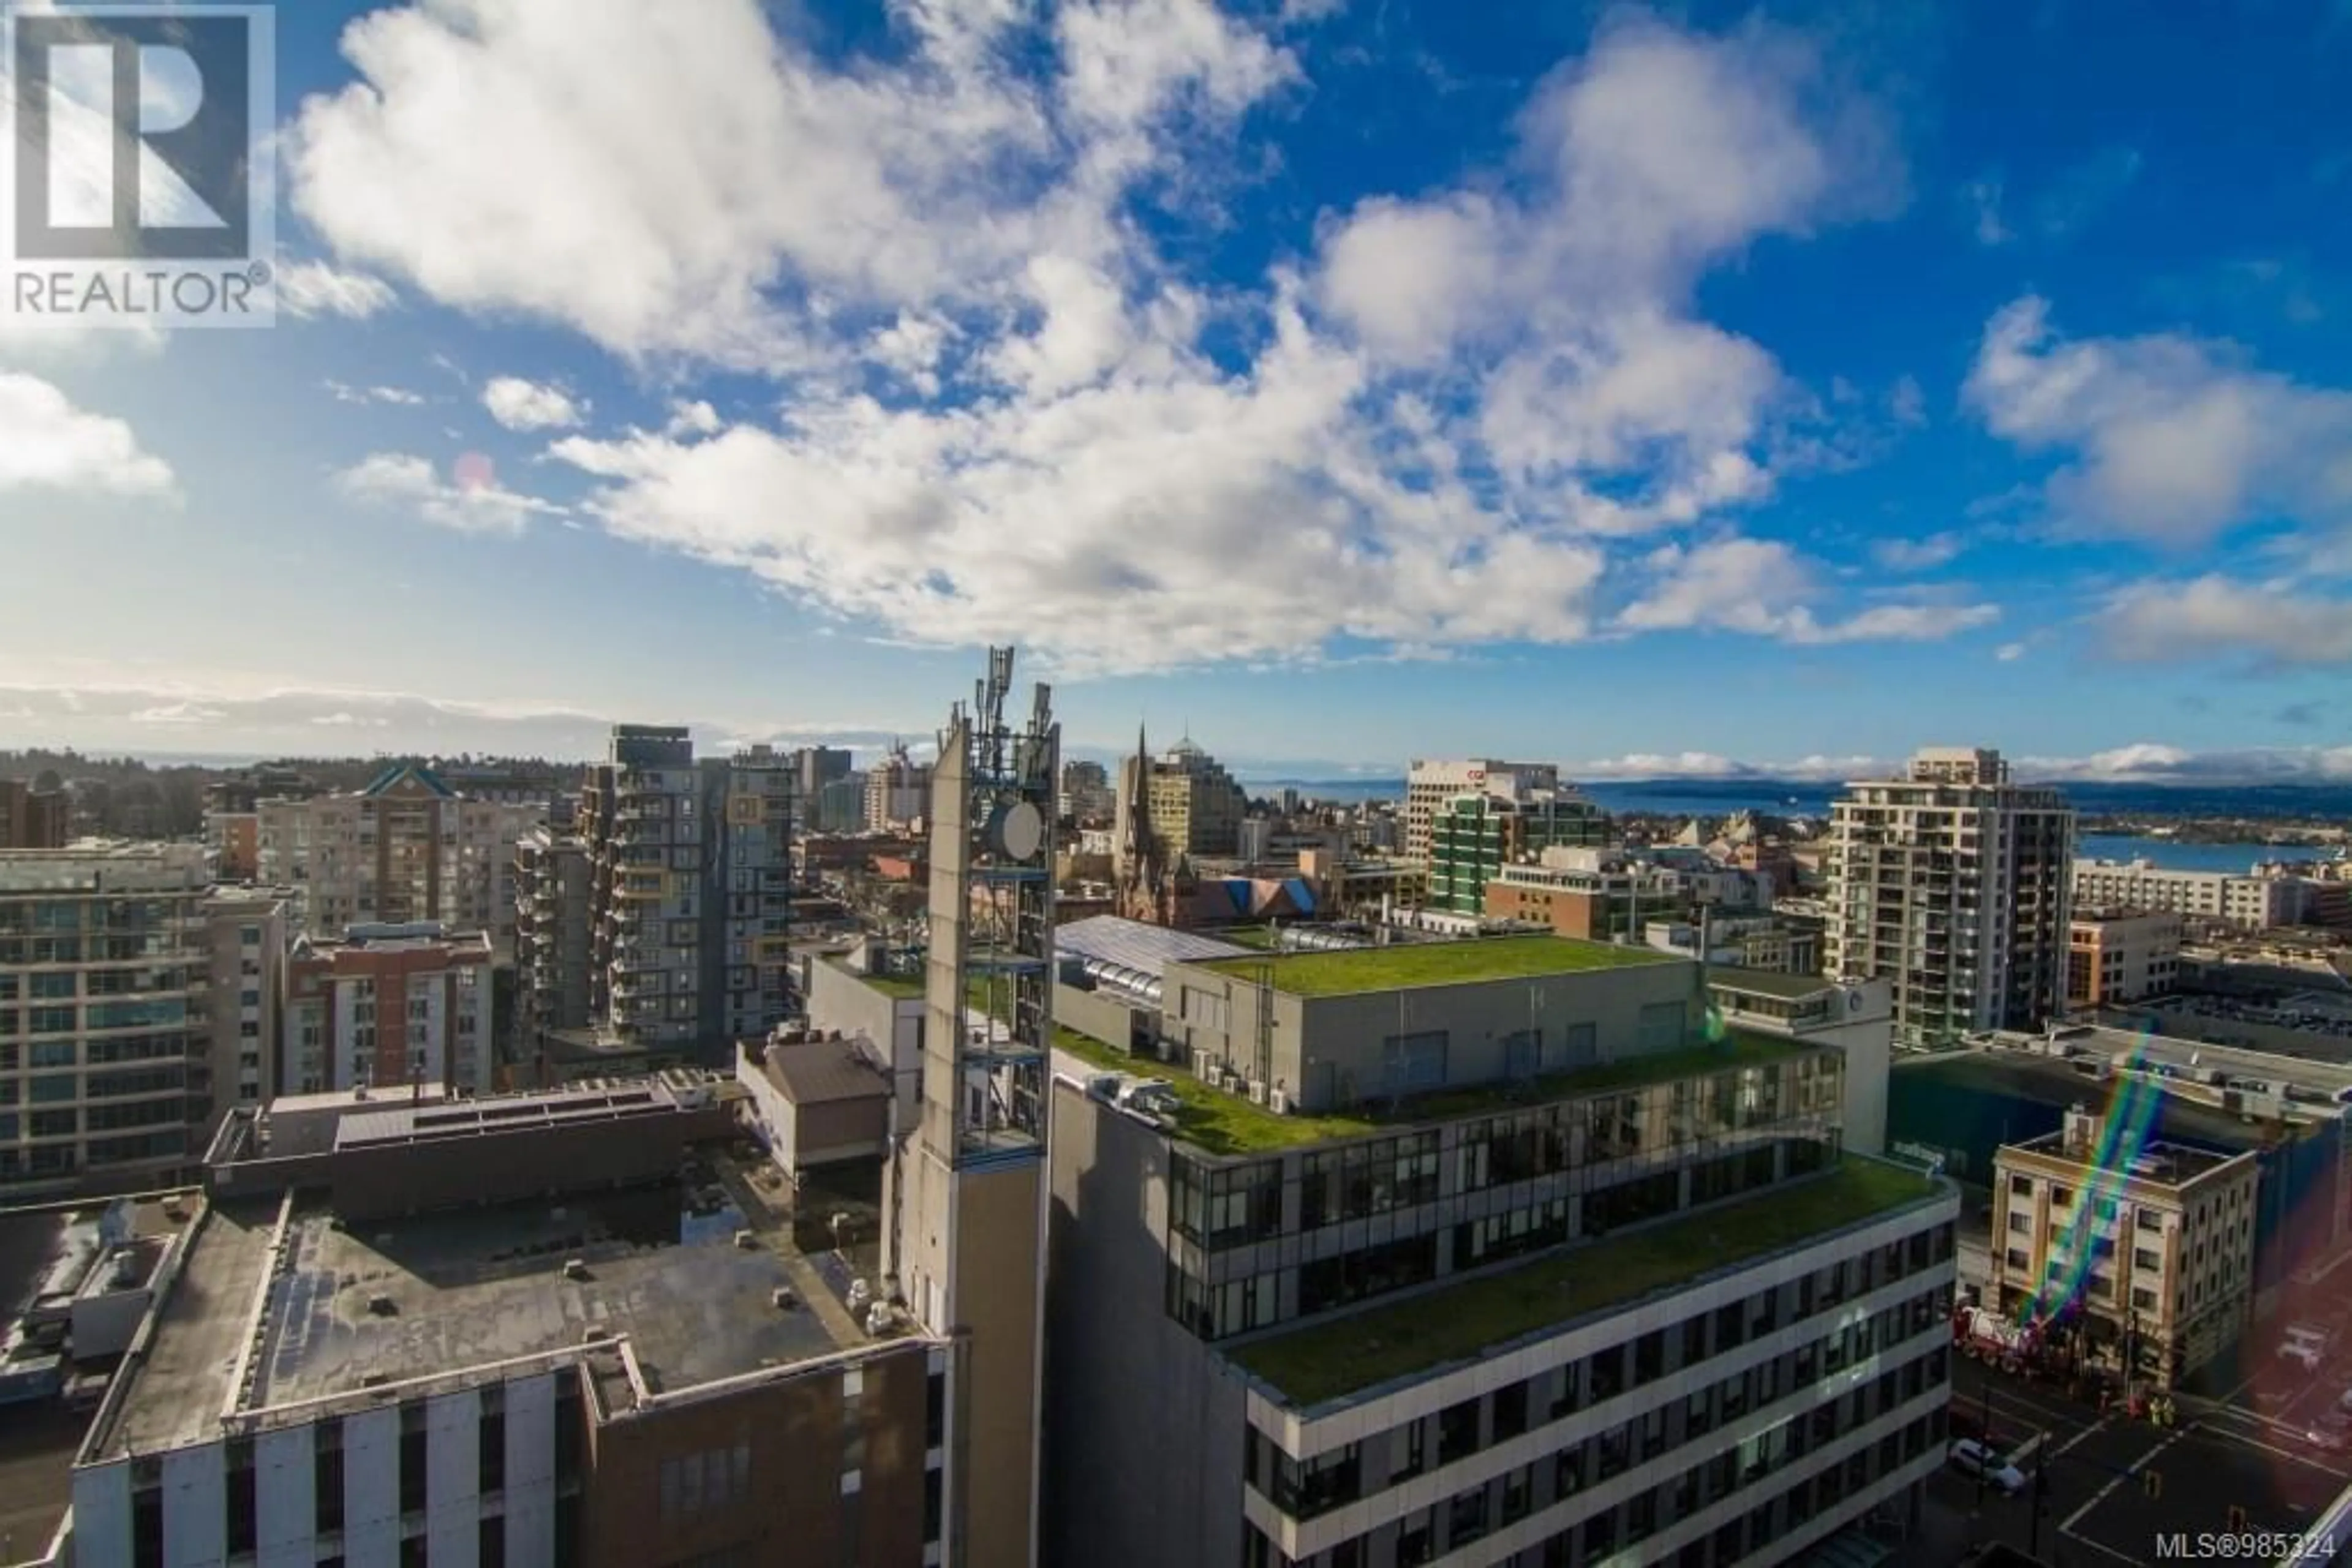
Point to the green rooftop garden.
(1210, 1119)
(1328, 1359)
(1259, 937)
(896, 986)
(1221, 1123)
(1435, 964)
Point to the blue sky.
(1346, 380)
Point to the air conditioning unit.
(1278, 1102)
(1205, 1065)
(1257, 1091)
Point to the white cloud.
(2010, 652)
(692, 419)
(2213, 614)
(1660, 765)
(1980, 198)
(1035, 441)
(397, 396)
(2150, 762)
(2173, 439)
(2081, 192)
(180, 713)
(1764, 588)
(46, 443)
(2141, 763)
(521, 404)
(475, 504)
(314, 288)
(1901, 554)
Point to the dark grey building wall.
(1143, 1424)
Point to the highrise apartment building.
(135, 1007)
(390, 1007)
(551, 879)
(690, 892)
(246, 931)
(1191, 805)
(33, 818)
(1619, 1294)
(1430, 785)
(1953, 883)
(1478, 833)
(839, 807)
(897, 792)
(817, 766)
(1087, 793)
(406, 848)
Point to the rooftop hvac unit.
(747, 1240)
(1257, 1091)
(1278, 1102)
(575, 1268)
(783, 1298)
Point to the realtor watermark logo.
(143, 165)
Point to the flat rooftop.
(2165, 1165)
(1409, 964)
(1328, 1359)
(465, 1290)
(1219, 1123)
(1768, 983)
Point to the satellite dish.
(1017, 831)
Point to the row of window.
(1354, 1470)
(1470, 1516)
(1224, 1207)
(1215, 1310)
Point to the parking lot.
(2113, 1488)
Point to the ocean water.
(1784, 797)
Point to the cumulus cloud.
(2272, 622)
(312, 289)
(2171, 439)
(397, 396)
(1764, 588)
(521, 404)
(474, 503)
(1980, 201)
(1900, 554)
(1013, 416)
(2149, 763)
(2141, 763)
(46, 443)
(243, 711)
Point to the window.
(1510, 1411)
(1457, 1431)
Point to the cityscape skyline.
(1383, 385)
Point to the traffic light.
(2152, 1482)
(2237, 1519)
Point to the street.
(2115, 1488)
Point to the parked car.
(1971, 1457)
